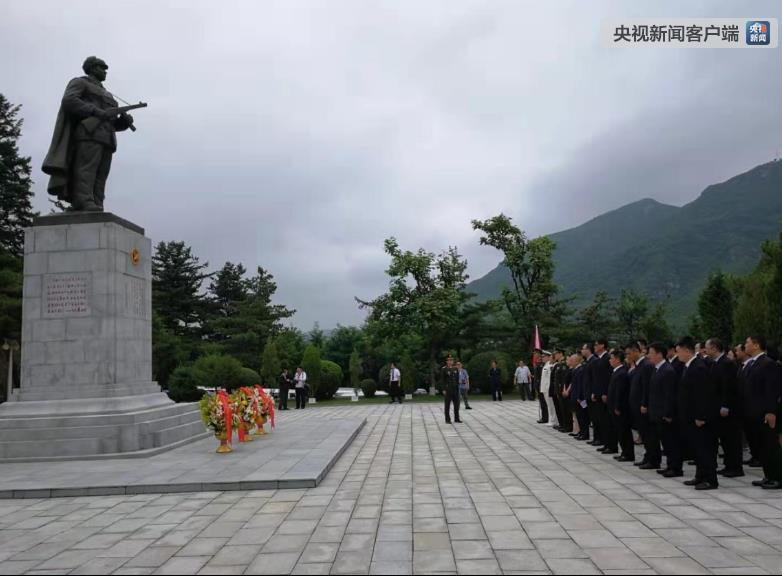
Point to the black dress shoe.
(447, 421)
(733, 474)
(706, 486)
(648, 466)
(574, 434)
(663, 470)
(595, 443)
(773, 485)
(693, 482)
(610, 451)
(760, 482)
(755, 464)
(582, 438)
(458, 421)
(622, 458)
(641, 463)
(673, 474)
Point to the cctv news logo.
(754, 33)
(758, 33)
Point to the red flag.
(535, 346)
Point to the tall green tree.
(290, 348)
(715, 309)
(227, 288)
(16, 211)
(255, 319)
(10, 297)
(341, 343)
(631, 309)
(773, 251)
(317, 337)
(355, 370)
(598, 317)
(177, 276)
(534, 296)
(270, 363)
(310, 362)
(426, 294)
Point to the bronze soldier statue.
(79, 158)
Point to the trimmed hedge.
(368, 387)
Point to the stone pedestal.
(86, 386)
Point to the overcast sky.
(298, 135)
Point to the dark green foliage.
(168, 351)
(368, 387)
(330, 380)
(16, 211)
(410, 376)
(532, 297)
(290, 348)
(355, 370)
(664, 251)
(478, 368)
(270, 364)
(249, 377)
(244, 325)
(340, 345)
(10, 297)
(310, 362)
(715, 309)
(177, 276)
(183, 385)
(215, 371)
(425, 299)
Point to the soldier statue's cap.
(93, 61)
(546, 353)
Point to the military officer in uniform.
(450, 376)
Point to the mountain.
(665, 251)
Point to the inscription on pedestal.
(135, 292)
(66, 295)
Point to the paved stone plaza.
(498, 493)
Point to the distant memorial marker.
(86, 374)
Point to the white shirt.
(690, 361)
(545, 377)
(395, 375)
(522, 375)
(300, 379)
(659, 364)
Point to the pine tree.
(311, 365)
(177, 276)
(270, 363)
(715, 309)
(16, 212)
(355, 370)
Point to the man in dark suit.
(561, 404)
(699, 409)
(587, 376)
(742, 359)
(725, 375)
(659, 403)
(577, 396)
(599, 379)
(619, 406)
(763, 390)
(640, 376)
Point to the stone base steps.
(115, 435)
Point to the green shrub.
(478, 368)
(368, 387)
(330, 380)
(215, 371)
(382, 377)
(310, 362)
(249, 377)
(183, 385)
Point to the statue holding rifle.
(84, 140)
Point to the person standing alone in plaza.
(300, 383)
(450, 376)
(495, 379)
(464, 385)
(285, 382)
(394, 383)
(523, 379)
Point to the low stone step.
(96, 420)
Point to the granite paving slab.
(297, 454)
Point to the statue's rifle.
(92, 122)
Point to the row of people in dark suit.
(682, 400)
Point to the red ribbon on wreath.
(222, 395)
